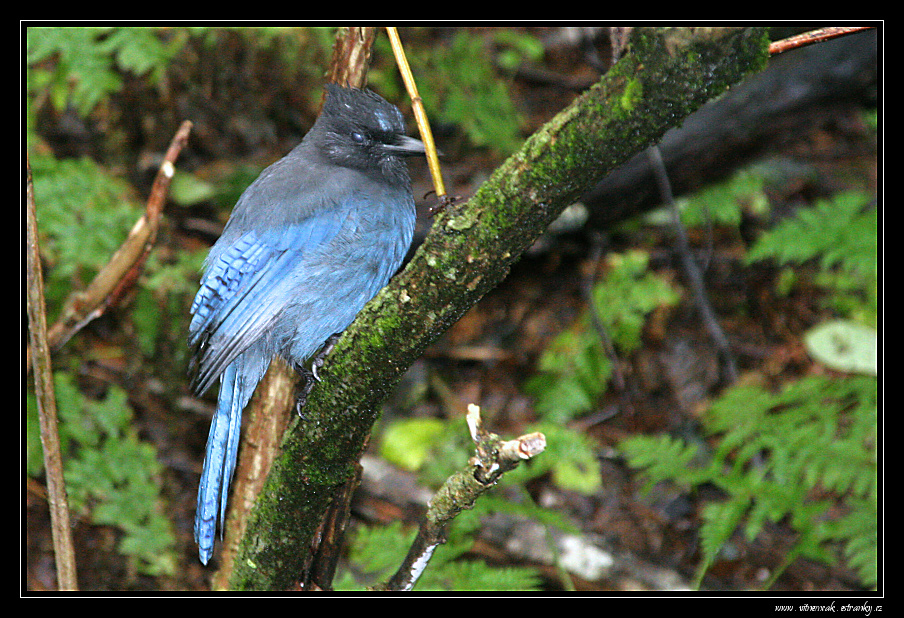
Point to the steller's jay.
(309, 242)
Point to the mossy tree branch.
(666, 75)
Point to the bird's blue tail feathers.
(219, 461)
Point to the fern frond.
(774, 454)
(840, 232)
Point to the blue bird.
(309, 242)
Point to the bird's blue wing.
(245, 288)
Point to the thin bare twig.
(46, 398)
(691, 270)
(119, 275)
(814, 36)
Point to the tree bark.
(666, 75)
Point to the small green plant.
(461, 88)
(724, 202)
(112, 477)
(719, 204)
(840, 232)
(840, 235)
(377, 551)
(575, 370)
(795, 456)
(87, 61)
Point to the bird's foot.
(309, 376)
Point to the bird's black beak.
(406, 146)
